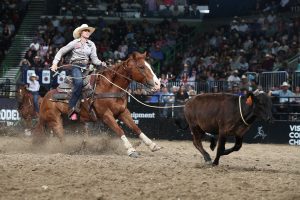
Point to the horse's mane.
(110, 70)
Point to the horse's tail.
(39, 135)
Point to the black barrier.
(9, 111)
(154, 125)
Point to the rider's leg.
(36, 101)
(76, 93)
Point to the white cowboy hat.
(33, 75)
(285, 84)
(77, 31)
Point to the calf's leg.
(198, 135)
(236, 147)
(220, 149)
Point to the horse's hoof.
(209, 162)
(156, 148)
(134, 154)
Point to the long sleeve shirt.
(80, 52)
(284, 96)
(34, 86)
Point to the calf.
(225, 115)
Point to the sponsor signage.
(46, 76)
(29, 73)
(9, 110)
(61, 77)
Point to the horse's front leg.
(109, 120)
(127, 119)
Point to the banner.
(61, 77)
(46, 76)
(29, 73)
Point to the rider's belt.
(80, 62)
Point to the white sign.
(46, 76)
(137, 116)
(9, 115)
(61, 77)
(29, 73)
(294, 136)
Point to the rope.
(147, 105)
(240, 107)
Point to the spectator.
(181, 95)
(34, 87)
(167, 99)
(233, 78)
(24, 65)
(284, 93)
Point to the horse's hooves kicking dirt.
(156, 148)
(134, 154)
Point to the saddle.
(64, 89)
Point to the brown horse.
(26, 106)
(108, 109)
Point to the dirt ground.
(102, 170)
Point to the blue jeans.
(77, 86)
(36, 101)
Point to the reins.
(99, 74)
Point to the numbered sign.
(29, 73)
(46, 76)
(61, 77)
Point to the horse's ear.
(144, 54)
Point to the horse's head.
(20, 93)
(142, 72)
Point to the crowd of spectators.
(113, 41)
(132, 8)
(11, 14)
(242, 47)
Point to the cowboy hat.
(78, 30)
(33, 75)
(285, 84)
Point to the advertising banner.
(46, 76)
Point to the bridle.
(140, 68)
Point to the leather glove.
(103, 64)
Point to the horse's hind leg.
(58, 129)
(198, 135)
(127, 119)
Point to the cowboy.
(34, 87)
(284, 93)
(82, 50)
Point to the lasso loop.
(147, 105)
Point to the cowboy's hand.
(53, 67)
(103, 64)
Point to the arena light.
(204, 11)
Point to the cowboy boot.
(72, 115)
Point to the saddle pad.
(61, 96)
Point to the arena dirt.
(100, 169)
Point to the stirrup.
(72, 115)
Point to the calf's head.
(263, 106)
